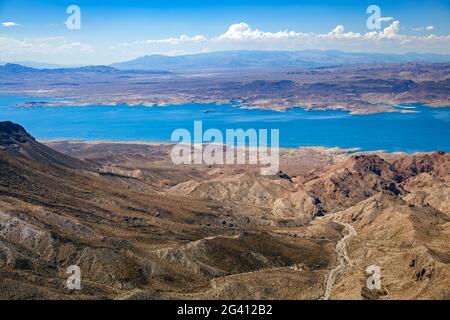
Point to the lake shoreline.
(386, 107)
(325, 149)
(407, 130)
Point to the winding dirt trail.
(342, 256)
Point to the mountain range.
(12, 68)
(269, 59)
(252, 60)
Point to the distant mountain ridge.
(233, 60)
(40, 65)
(17, 68)
(269, 59)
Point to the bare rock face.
(247, 252)
(426, 190)
(352, 180)
(15, 140)
(298, 204)
(436, 164)
(276, 196)
(378, 166)
(410, 245)
(13, 134)
(24, 234)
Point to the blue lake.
(426, 130)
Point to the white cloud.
(243, 32)
(339, 33)
(241, 36)
(8, 24)
(238, 36)
(389, 39)
(392, 30)
(387, 19)
(183, 39)
(427, 28)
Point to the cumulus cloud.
(237, 36)
(243, 32)
(339, 33)
(392, 30)
(241, 36)
(8, 24)
(389, 39)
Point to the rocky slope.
(140, 229)
(124, 234)
(409, 242)
(16, 141)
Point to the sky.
(113, 31)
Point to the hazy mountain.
(269, 59)
(233, 60)
(13, 68)
(39, 65)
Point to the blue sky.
(119, 30)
